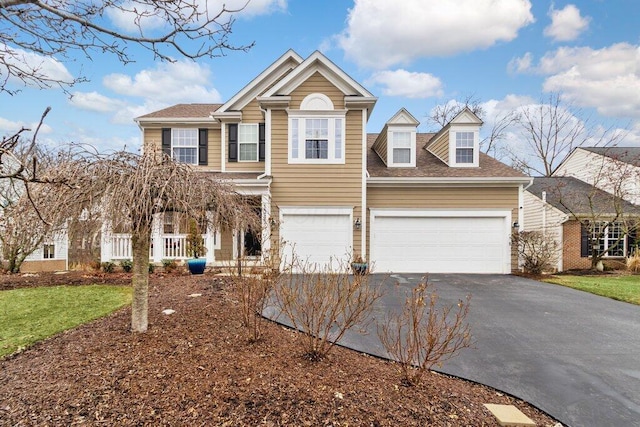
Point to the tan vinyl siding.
(317, 84)
(251, 113)
(445, 198)
(225, 253)
(153, 140)
(540, 216)
(380, 146)
(440, 148)
(315, 184)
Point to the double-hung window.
(248, 142)
(609, 238)
(316, 140)
(401, 147)
(49, 251)
(464, 147)
(184, 145)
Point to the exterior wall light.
(357, 224)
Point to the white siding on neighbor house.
(541, 216)
(61, 250)
(603, 172)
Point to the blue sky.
(412, 53)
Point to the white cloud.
(181, 81)
(134, 17)
(407, 84)
(9, 126)
(93, 101)
(44, 68)
(606, 79)
(381, 33)
(566, 24)
(520, 65)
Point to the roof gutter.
(447, 181)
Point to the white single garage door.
(319, 237)
(437, 242)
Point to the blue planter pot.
(197, 265)
(359, 268)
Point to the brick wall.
(571, 250)
(571, 258)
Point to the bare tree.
(132, 190)
(442, 114)
(34, 33)
(550, 131)
(606, 218)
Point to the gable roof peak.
(403, 117)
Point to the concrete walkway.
(572, 354)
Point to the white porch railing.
(173, 246)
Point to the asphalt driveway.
(572, 354)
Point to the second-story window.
(316, 140)
(464, 147)
(401, 147)
(248, 142)
(184, 145)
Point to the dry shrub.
(538, 251)
(423, 335)
(633, 262)
(252, 291)
(324, 303)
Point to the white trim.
(457, 213)
(223, 148)
(316, 102)
(521, 208)
(266, 224)
(267, 142)
(363, 209)
(264, 79)
(446, 181)
(320, 63)
(306, 210)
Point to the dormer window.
(401, 146)
(464, 147)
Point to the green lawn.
(623, 288)
(30, 315)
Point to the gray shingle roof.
(183, 111)
(629, 155)
(428, 165)
(572, 196)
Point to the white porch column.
(156, 238)
(210, 240)
(106, 244)
(266, 225)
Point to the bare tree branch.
(35, 34)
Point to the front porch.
(223, 246)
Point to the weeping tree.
(131, 189)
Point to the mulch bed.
(196, 367)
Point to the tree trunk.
(140, 281)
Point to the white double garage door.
(405, 240)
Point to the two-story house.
(294, 139)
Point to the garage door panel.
(416, 244)
(319, 239)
